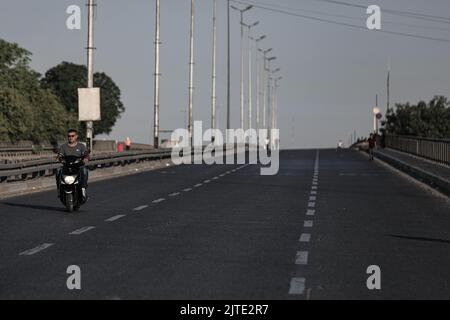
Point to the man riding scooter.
(75, 149)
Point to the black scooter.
(70, 192)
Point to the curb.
(426, 177)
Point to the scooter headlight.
(69, 179)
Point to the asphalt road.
(226, 232)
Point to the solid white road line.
(305, 237)
(115, 218)
(36, 249)
(310, 212)
(308, 224)
(158, 200)
(301, 258)
(297, 286)
(141, 207)
(82, 230)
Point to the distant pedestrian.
(128, 143)
(340, 145)
(372, 143)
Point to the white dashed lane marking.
(301, 258)
(310, 212)
(158, 200)
(115, 218)
(314, 192)
(305, 237)
(174, 194)
(308, 224)
(312, 198)
(297, 286)
(82, 230)
(311, 204)
(207, 181)
(198, 185)
(141, 207)
(36, 249)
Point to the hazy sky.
(331, 73)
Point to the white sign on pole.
(89, 104)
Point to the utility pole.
(269, 80)
(388, 85)
(264, 53)
(250, 26)
(213, 95)
(191, 74)
(157, 78)
(228, 66)
(90, 63)
(242, 60)
(258, 86)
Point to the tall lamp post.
(258, 88)
(157, 78)
(90, 63)
(275, 112)
(264, 53)
(250, 26)
(191, 74)
(269, 82)
(242, 59)
(213, 94)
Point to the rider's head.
(72, 136)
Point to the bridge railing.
(24, 170)
(433, 149)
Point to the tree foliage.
(430, 120)
(27, 111)
(64, 80)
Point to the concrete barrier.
(439, 183)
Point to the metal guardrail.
(433, 149)
(47, 167)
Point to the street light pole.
(250, 26)
(157, 78)
(258, 88)
(264, 53)
(191, 74)
(228, 66)
(242, 60)
(213, 95)
(90, 63)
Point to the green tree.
(64, 80)
(430, 120)
(27, 112)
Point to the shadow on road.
(420, 238)
(34, 206)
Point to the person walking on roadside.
(128, 143)
(372, 143)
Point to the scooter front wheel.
(69, 202)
